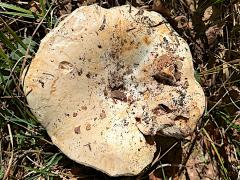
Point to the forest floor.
(212, 30)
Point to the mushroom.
(103, 79)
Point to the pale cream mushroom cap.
(104, 78)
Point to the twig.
(233, 121)
(10, 97)
(11, 159)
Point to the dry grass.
(212, 29)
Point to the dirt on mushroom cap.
(104, 78)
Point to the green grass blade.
(2, 54)
(5, 57)
(15, 36)
(40, 171)
(6, 41)
(1, 171)
(10, 45)
(18, 121)
(53, 161)
(217, 1)
(218, 155)
(15, 8)
(43, 7)
(18, 14)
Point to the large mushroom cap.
(104, 78)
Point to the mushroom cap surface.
(105, 78)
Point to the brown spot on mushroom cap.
(88, 127)
(84, 107)
(103, 114)
(146, 40)
(77, 130)
(117, 94)
(53, 86)
(117, 78)
(75, 114)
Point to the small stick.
(11, 159)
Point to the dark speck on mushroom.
(41, 82)
(88, 75)
(84, 107)
(119, 95)
(138, 119)
(77, 130)
(88, 127)
(103, 114)
(102, 27)
(80, 72)
(66, 114)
